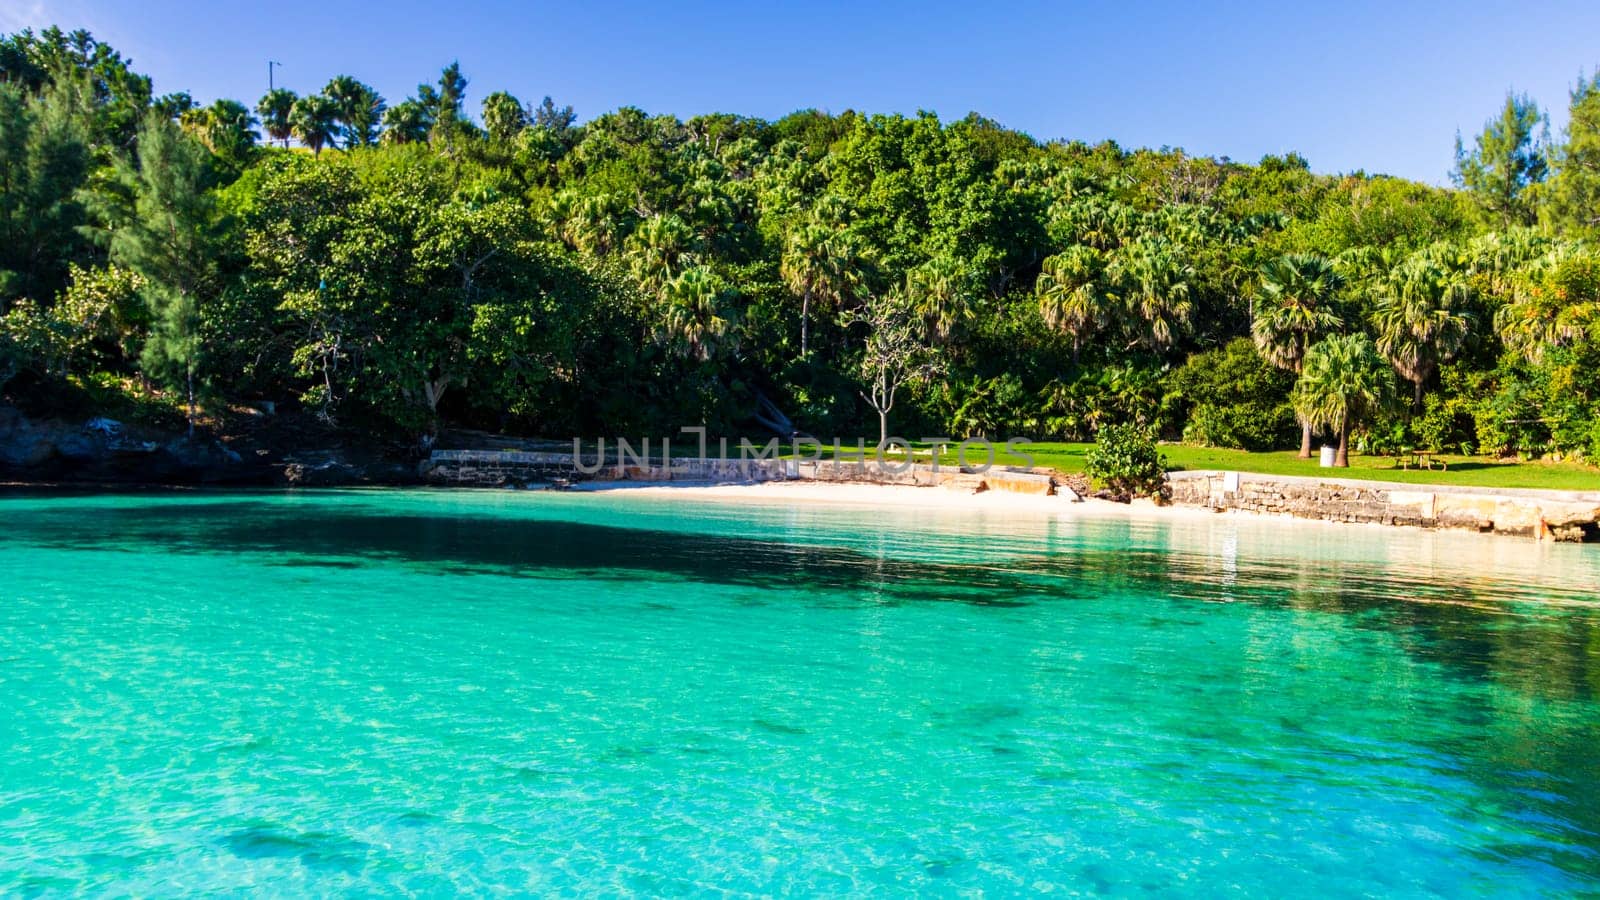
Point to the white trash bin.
(1327, 456)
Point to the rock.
(330, 473)
(80, 448)
(26, 450)
(103, 425)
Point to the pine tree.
(1507, 158)
(167, 240)
(1574, 192)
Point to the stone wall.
(1557, 515)
(494, 468)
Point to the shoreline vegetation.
(320, 288)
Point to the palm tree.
(1072, 294)
(592, 224)
(1498, 257)
(359, 109)
(695, 320)
(658, 250)
(1343, 381)
(1555, 302)
(274, 110)
(314, 120)
(406, 122)
(503, 117)
(1420, 319)
(1155, 280)
(1292, 312)
(224, 127)
(821, 264)
(940, 290)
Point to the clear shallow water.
(378, 691)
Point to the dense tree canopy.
(392, 266)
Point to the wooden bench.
(1422, 459)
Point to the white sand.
(888, 495)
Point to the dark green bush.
(1126, 462)
(1231, 397)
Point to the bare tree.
(896, 354)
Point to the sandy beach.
(897, 496)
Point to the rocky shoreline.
(100, 453)
(104, 452)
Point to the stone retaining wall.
(1557, 515)
(493, 468)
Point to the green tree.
(1231, 397)
(1574, 189)
(1422, 320)
(470, 252)
(275, 109)
(1555, 303)
(941, 291)
(168, 241)
(1343, 383)
(406, 122)
(444, 106)
(503, 117)
(697, 318)
(660, 249)
(357, 108)
(1508, 158)
(1293, 310)
(226, 127)
(821, 265)
(44, 161)
(1156, 283)
(1072, 294)
(557, 119)
(314, 119)
(318, 250)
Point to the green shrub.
(1239, 427)
(1446, 424)
(1125, 461)
(1231, 397)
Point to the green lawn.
(1068, 458)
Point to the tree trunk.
(190, 376)
(1342, 458)
(805, 321)
(1416, 401)
(883, 431)
(1305, 440)
(1075, 348)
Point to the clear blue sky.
(1357, 85)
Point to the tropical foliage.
(458, 256)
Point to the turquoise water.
(354, 692)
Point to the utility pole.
(270, 64)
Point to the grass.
(1474, 471)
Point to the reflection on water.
(428, 691)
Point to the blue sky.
(1375, 86)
